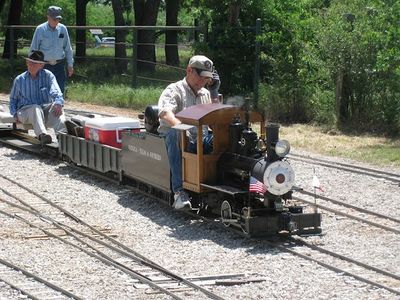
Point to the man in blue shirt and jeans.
(36, 98)
(53, 40)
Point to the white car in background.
(108, 42)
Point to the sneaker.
(45, 138)
(181, 200)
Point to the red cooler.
(108, 130)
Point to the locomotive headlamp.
(261, 145)
(282, 148)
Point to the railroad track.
(333, 261)
(31, 285)
(390, 176)
(103, 247)
(339, 263)
(369, 217)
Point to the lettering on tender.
(144, 152)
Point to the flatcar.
(246, 181)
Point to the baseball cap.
(54, 12)
(203, 64)
(36, 56)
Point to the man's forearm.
(169, 117)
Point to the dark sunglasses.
(198, 71)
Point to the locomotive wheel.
(226, 212)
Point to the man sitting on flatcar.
(36, 98)
(176, 97)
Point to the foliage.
(360, 41)
(306, 46)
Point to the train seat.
(6, 118)
(151, 121)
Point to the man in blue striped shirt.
(53, 40)
(36, 98)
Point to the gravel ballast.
(192, 247)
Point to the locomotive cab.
(199, 169)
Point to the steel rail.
(136, 256)
(19, 289)
(332, 268)
(348, 215)
(337, 270)
(299, 241)
(345, 165)
(349, 169)
(360, 209)
(37, 278)
(102, 258)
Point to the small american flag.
(256, 186)
(316, 184)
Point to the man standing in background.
(53, 40)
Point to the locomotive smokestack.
(272, 131)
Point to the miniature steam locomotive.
(246, 182)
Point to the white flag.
(316, 184)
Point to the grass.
(114, 95)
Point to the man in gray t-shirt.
(176, 97)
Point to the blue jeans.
(207, 145)
(59, 71)
(173, 144)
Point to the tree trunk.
(234, 10)
(81, 33)
(2, 2)
(146, 12)
(14, 17)
(120, 47)
(171, 36)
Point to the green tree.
(285, 31)
(360, 41)
(14, 17)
